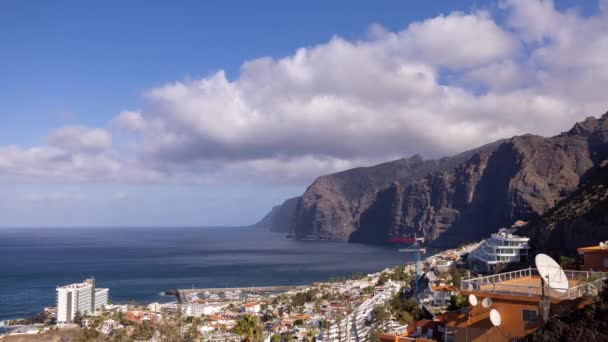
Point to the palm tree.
(311, 334)
(248, 327)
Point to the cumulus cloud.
(80, 139)
(72, 153)
(130, 120)
(437, 87)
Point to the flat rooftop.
(593, 249)
(527, 283)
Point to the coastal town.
(470, 293)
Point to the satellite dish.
(495, 317)
(602, 244)
(473, 300)
(486, 302)
(552, 273)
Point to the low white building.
(155, 307)
(197, 310)
(253, 307)
(501, 248)
(80, 297)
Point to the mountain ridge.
(452, 199)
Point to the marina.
(187, 296)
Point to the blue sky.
(67, 63)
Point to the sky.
(206, 113)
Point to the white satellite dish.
(552, 273)
(486, 302)
(473, 300)
(602, 244)
(495, 317)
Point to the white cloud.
(130, 120)
(437, 87)
(80, 139)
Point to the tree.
(249, 328)
(457, 275)
(288, 337)
(311, 335)
(457, 302)
(373, 335)
(380, 315)
(88, 334)
(568, 262)
(405, 310)
(78, 318)
(275, 338)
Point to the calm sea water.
(140, 263)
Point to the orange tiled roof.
(592, 249)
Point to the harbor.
(187, 296)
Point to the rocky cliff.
(280, 217)
(579, 220)
(454, 199)
(332, 206)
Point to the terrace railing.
(588, 283)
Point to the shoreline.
(327, 280)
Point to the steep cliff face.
(282, 220)
(427, 207)
(579, 220)
(332, 206)
(280, 217)
(457, 199)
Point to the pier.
(184, 294)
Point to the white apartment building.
(101, 298)
(501, 248)
(80, 297)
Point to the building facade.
(594, 258)
(521, 300)
(79, 297)
(501, 248)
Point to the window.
(530, 315)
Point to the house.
(138, 317)
(252, 307)
(517, 297)
(501, 248)
(520, 300)
(441, 295)
(197, 310)
(595, 258)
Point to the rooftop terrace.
(527, 283)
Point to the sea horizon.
(140, 267)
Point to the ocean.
(139, 264)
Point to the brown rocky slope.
(579, 220)
(454, 199)
(280, 217)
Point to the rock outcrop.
(579, 220)
(454, 199)
(332, 206)
(280, 217)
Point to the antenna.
(495, 318)
(486, 302)
(473, 300)
(552, 273)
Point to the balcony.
(527, 283)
